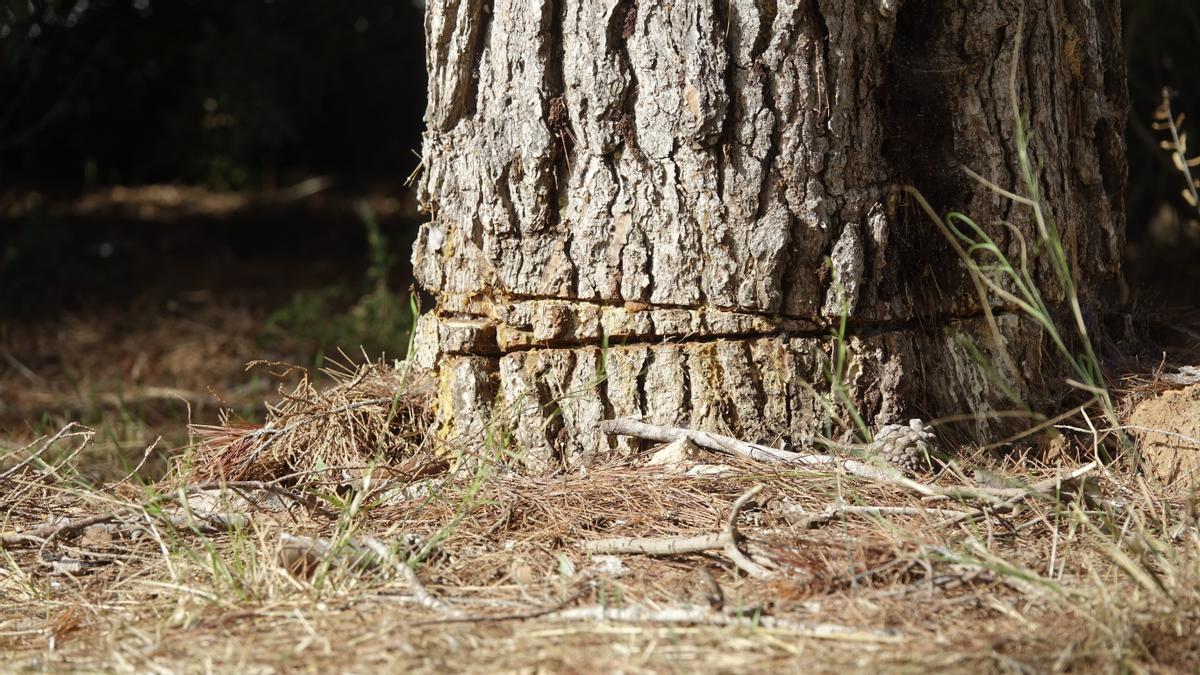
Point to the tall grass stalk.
(1176, 144)
(1011, 281)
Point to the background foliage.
(222, 93)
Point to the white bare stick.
(814, 519)
(656, 545)
(299, 554)
(423, 597)
(705, 616)
(704, 439)
(730, 535)
(1048, 486)
(760, 453)
(62, 433)
(726, 542)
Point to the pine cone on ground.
(907, 447)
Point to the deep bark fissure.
(768, 163)
(724, 14)
(558, 117)
(789, 281)
(757, 383)
(555, 419)
(819, 68)
(687, 388)
(481, 36)
(640, 384)
(854, 327)
(920, 137)
(1007, 148)
(626, 127)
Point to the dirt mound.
(1168, 428)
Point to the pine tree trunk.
(684, 196)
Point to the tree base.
(543, 388)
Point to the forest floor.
(121, 554)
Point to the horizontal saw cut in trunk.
(663, 210)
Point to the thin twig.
(705, 616)
(730, 534)
(726, 541)
(761, 453)
(62, 433)
(809, 520)
(21, 368)
(1041, 488)
(423, 597)
(516, 616)
(364, 554)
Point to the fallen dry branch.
(1050, 488)
(761, 453)
(664, 546)
(199, 523)
(207, 522)
(423, 597)
(809, 519)
(302, 555)
(705, 616)
(726, 541)
(515, 616)
(40, 535)
(65, 432)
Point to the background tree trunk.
(674, 175)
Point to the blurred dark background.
(226, 94)
(271, 130)
(186, 185)
(1162, 49)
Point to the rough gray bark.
(677, 176)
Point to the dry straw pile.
(372, 413)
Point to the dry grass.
(372, 413)
(1104, 577)
(133, 376)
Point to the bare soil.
(1167, 426)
